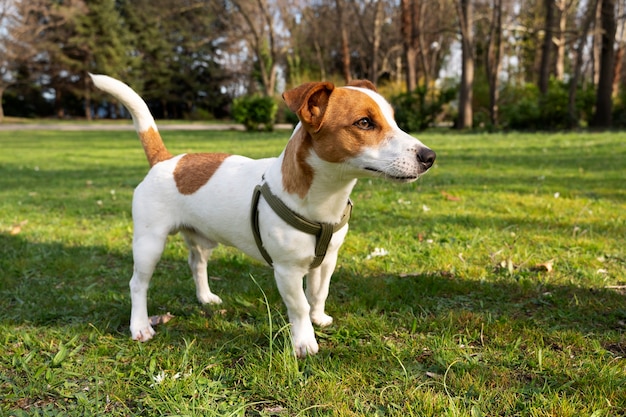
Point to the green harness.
(323, 232)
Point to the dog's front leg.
(289, 283)
(317, 286)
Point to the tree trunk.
(58, 104)
(604, 100)
(1, 106)
(378, 24)
(345, 45)
(494, 54)
(87, 95)
(617, 72)
(578, 63)
(597, 45)
(466, 93)
(410, 49)
(559, 68)
(620, 40)
(546, 48)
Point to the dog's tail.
(142, 118)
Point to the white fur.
(218, 212)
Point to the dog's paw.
(322, 319)
(209, 298)
(305, 347)
(143, 334)
(303, 338)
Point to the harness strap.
(323, 232)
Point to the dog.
(343, 134)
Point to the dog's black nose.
(426, 156)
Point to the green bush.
(619, 109)
(418, 109)
(254, 112)
(523, 107)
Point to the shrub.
(255, 111)
(418, 109)
(523, 107)
(619, 109)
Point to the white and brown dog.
(344, 134)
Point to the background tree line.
(534, 64)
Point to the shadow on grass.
(551, 307)
(46, 284)
(51, 284)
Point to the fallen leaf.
(544, 267)
(17, 228)
(162, 319)
(450, 197)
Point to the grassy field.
(501, 291)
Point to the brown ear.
(363, 84)
(309, 101)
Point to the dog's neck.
(313, 188)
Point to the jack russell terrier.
(290, 211)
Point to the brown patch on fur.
(338, 138)
(195, 169)
(297, 173)
(328, 118)
(153, 146)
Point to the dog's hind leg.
(199, 252)
(317, 286)
(147, 250)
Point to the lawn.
(500, 290)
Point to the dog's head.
(354, 125)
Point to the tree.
(546, 47)
(99, 43)
(53, 24)
(564, 7)
(494, 59)
(466, 91)
(254, 22)
(604, 100)
(13, 45)
(174, 49)
(345, 43)
(583, 32)
(375, 40)
(410, 32)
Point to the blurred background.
(482, 64)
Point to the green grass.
(460, 317)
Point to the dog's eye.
(364, 123)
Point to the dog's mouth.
(386, 175)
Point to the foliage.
(523, 107)
(501, 293)
(193, 58)
(254, 111)
(619, 110)
(419, 109)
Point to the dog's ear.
(363, 84)
(309, 101)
